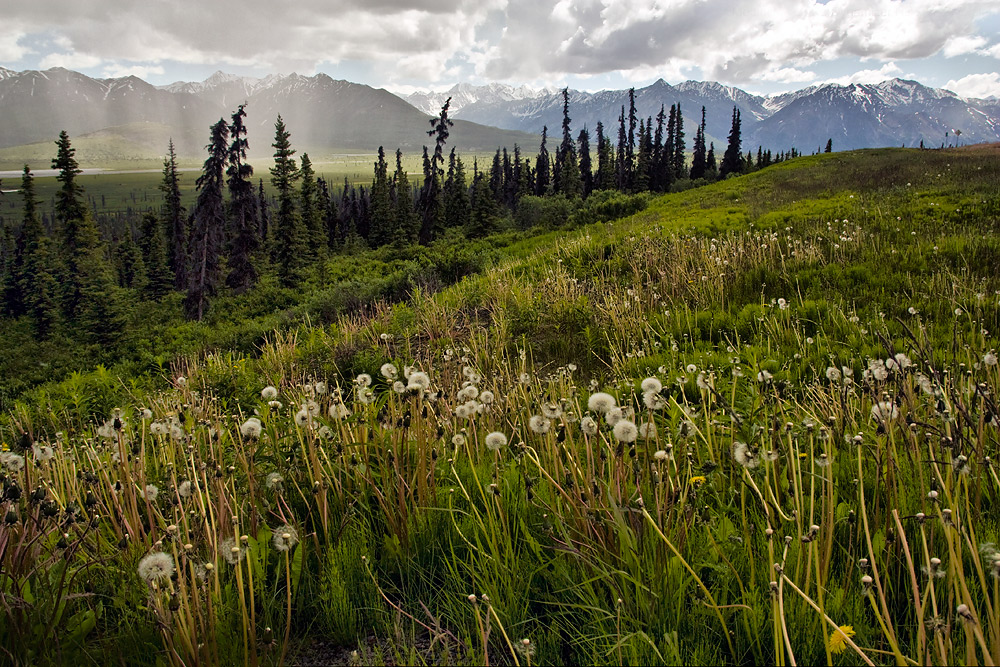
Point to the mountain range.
(133, 117)
(892, 113)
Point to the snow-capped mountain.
(464, 94)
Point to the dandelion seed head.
(625, 430)
(389, 371)
(284, 537)
(363, 380)
(269, 393)
(496, 441)
(600, 402)
(539, 424)
(157, 566)
(588, 426)
(251, 428)
(651, 384)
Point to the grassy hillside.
(799, 468)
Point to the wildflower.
(156, 566)
(320, 388)
(302, 416)
(150, 492)
(251, 428)
(525, 648)
(313, 408)
(458, 440)
(651, 384)
(366, 395)
(691, 368)
(43, 452)
(600, 402)
(902, 361)
(285, 537)
(743, 455)
(884, 411)
(764, 376)
(275, 405)
(925, 384)
(704, 381)
(418, 381)
(389, 371)
(269, 393)
(833, 374)
(697, 481)
(990, 359)
(782, 304)
(11, 461)
(653, 401)
(363, 380)
(184, 489)
(147, 413)
(467, 393)
(232, 550)
(524, 378)
(496, 441)
(588, 426)
(838, 638)
(625, 430)
(338, 410)
(877, 370)
(486, 397)
(273, 480)
(551, 410)
(539, 424)
(647, 430)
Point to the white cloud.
(868, 76)
(409, 41)
(976, 85)
(11, 50)
(963, 44)
(71, 60)
(993, 51)
(117, 70)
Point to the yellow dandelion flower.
(697, 481)
(838, 638)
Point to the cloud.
(867, 76)
(117, 70)
(735, 41)
(963, 44)
(71, 60)
(976, 85)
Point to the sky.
(762, 46)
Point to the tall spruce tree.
(677, 166)
(621, 161)
(630, 148)
(698, 165)
(406, 227)
(244, 239)
(483, 206)
(569, 167)
(605, 164)
(644, 159)
(732, 160)
(311, 211)
(159, 277)
(542, 173)
(289, 237)
(79, 233)
(586, 166)
(36, 279)
(208, 224)
(658, 180)
(456, 193)
(382, 209)
(175, 219)
(433, 208)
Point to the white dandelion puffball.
(364, 380)
(232, 550)
(653, 400)
(551, 410)
(273, 480)
(251, 428)
(764, 376)
(613, 416)
(652, 385)
(486, 397)
(600, 402)
(269, 393)
(150, 492)
(833, 374)
(156, 566)
(184, 489)
(588, 426)
(884, 411)
(625, 431)
(647, 430)
(339, 411)
(302, 416)
(389, 371)
(990, 359)
(284, 538)
(418, 381)
(743, 455)
(539, 424)
(496, 441)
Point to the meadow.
(755, 422)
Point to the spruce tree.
(456, 193)
(382, 209)
(630, 148)
(586, 168)
(657, 180)
(621, 164)
(406, 227)
(698, 158)
(154, 255)
(483, 206)
(433, 208)
(208, 224)
(244, 239)
(314, 245)
(569, 167)
(37, 282)
(643, 159)
(711, 168)
(829, 146)
(732, 160)
(288, 235)
(175, 219)
(605, 179)
(542, 177)
(679, 169)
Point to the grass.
(804, 367)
